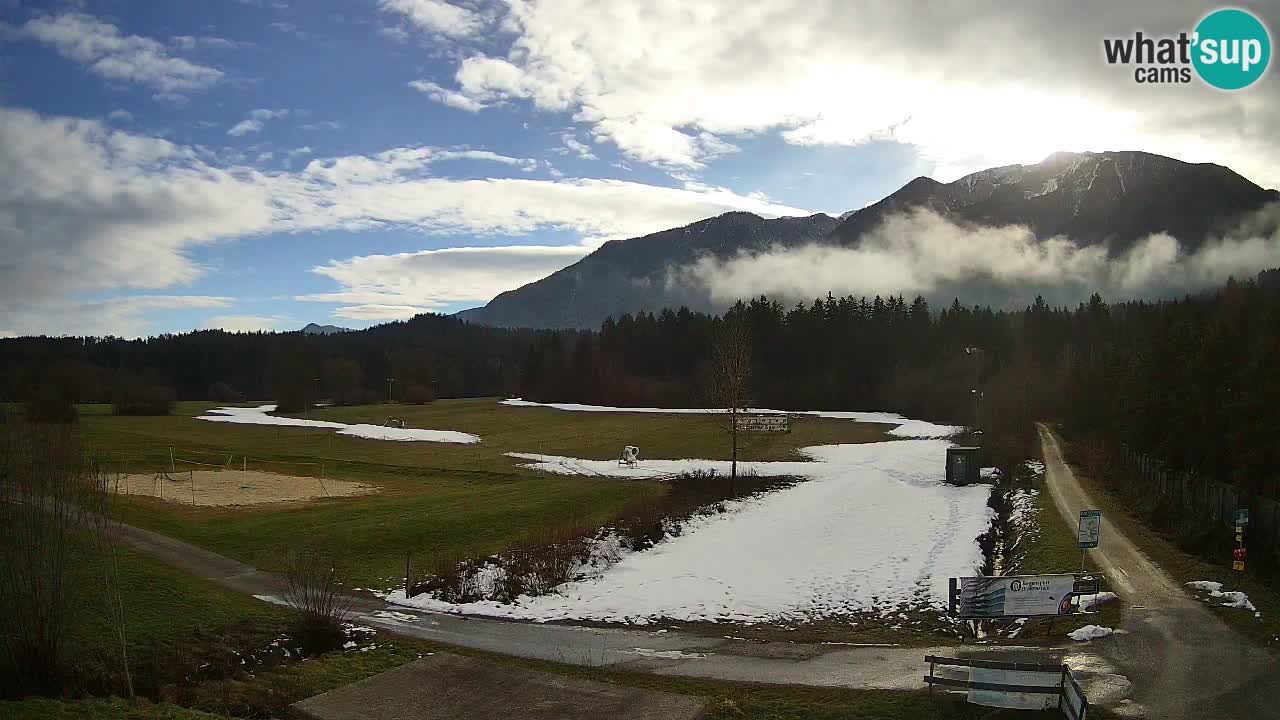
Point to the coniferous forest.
(1192, 381)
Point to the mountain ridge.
(1113, 199)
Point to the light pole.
(976, 352)
(390, 397)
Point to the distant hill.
(314, 329)
(1110, 198)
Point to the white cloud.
(121, 115)
(191, 42)
(255, 121)
(128, 316)
(410, 283)
(322, 125)
(446, 97)
(91, 209)
(921, 252)
(655, 81)
(245, 323)
(105, 51)
(435, 16)
(581, 149)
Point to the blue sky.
(177, 165)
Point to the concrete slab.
(445, 686)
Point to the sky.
(262, 164)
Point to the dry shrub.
(315, 592)
(56, 557)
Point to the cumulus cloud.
(975, 87)
(107, 52)
(920, 252)
(391, 287)
(577, 147)
(89, 209)
(435, 16)
(255, 121)
(447, 97)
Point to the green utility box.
(962, 465)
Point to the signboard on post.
(763, 423)
(1242, 518)
(1090, 528)
(978, 598)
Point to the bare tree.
(730, 380)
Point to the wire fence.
(1209, 501)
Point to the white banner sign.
(763, 423)
(1015, 595)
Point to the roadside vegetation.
(1208, 559)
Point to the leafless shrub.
(315, 591)
(57, 555)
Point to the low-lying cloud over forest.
(922, 253)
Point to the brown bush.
(418, 395)
(50, 404)
(134, 397)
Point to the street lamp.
(976, 392)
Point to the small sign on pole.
(1090, 528)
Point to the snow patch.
(663, 654)
(1229, 598)
(258, 416)
(1089, 602)
(905, 427)
(875, 529)
(1090, 632)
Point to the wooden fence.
(1208, 500)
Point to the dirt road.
(1183, 662)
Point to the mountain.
(1113, 199)
(629, 275)
(314, 329)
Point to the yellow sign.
(1239, 537)
(1237, 565)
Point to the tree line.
(412, 361)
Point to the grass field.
(435, 499)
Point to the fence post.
(172, 469)
(407, 554)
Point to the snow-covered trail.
(906, 427)
(873, 529)
(258, 416)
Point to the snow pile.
(990, 473)
(1090, 632)
(906, 427)
(1089, 602)
(1035, 467)
(1230, 598)
(874, 529)
(258, 416)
